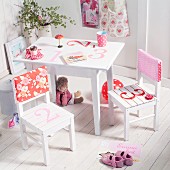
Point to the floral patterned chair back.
(31, 84)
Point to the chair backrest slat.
(149, 65)
(31, 84)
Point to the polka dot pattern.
(101, 39)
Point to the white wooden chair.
(134, 97)
(45, 118)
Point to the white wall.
(159, 32)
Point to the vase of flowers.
(33, 16)
(45, 31)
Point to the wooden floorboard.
(155, 153)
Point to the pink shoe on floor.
(112, 160)
(108, 159)
(128, 160)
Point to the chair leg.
(156, 117)
(23, 136)
(111, 112)
(72, 135)
(45, 149)
(138, 113)
(126, 125)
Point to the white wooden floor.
(155, 145)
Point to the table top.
(99, 58)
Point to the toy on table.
(33, 53)
(59, 37)
(63, 95)
(116, 85)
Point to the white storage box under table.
(7, 102)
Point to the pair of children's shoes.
(15, 120)
(117, 160)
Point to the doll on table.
(63, 96)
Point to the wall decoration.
(114, 18)
(14, 49)
(90, 13)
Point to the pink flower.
(40, 18)
(43, 73)
(25, 81)
(19, 86)
(37, 78)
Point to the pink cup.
(102, 38)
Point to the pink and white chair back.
(149, 65)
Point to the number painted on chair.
(99, 53)
(48, 118)
(123, 94)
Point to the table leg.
(53, 83)
(110, 104)
(96, 101)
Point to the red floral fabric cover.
(31, 84)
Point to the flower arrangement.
(33, 16)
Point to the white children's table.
(98, 59)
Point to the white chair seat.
(136, 103)
(46, 118)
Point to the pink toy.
(63, 96)
(116, 85)
(149, 97)
(11, 123)
(33, 53)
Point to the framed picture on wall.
(90, 13)
(14, 49)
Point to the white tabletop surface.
(100, 58)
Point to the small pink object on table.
(102, 38)
(33, 53)
(59, 37)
